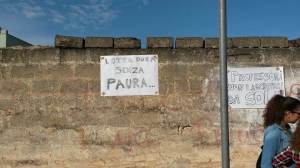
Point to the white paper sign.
(253, 87)
(124, 75)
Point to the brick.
(274, 42)
(245, 55)
(95, 135)
(68, 42)
(4, 72)
(88, 71)
(14, 56)
(45, 86)
(214, 43)
(245, 42)
(166, 87)
(28, 71)
(6, 104)
(13, 88)
(294, 43)
(105, 104)
(127, 42)
(181, 86)
(196, 85)
(297, 42)
(43, 55)
(94, 86)
(276, 57)
(174, 71)
(189, 42)
(74, 87)
(73, 55)
(1, 55)
(160, 42)
(99, 42)
(59, 71)
(296, 56)
(59, 112)
(195, 70)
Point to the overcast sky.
(38, 21)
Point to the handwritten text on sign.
(123, 75)
(253, 87)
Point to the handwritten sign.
(253, 87)
(124, 75)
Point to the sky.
(38, 21)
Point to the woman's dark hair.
(276, 107)
(295, 139)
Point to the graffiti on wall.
(295, 90)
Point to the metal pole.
(223, 86)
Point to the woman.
(292, 153)
(279, 112)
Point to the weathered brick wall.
(52, 114)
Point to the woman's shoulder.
(272, 127)
(272, 131)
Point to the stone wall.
(52, 114)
